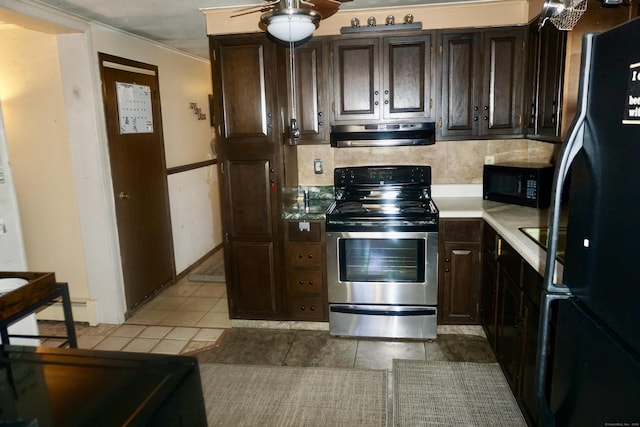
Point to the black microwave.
(518, 183)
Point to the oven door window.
(382, 260)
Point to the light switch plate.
(317, 166)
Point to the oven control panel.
(382, 175)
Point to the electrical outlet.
(317, 166)
(489, 160)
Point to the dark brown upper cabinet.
(545, 79)
(310, 90)
(383, 78)
(482, 83)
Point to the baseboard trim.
(83, 311)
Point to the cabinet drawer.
(313, 234)
(306, 282)
(307, 308)
(461, 230)
(305, 255)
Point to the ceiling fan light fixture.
(291, 25)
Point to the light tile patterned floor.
(183, 318)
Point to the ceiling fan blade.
(325, 8)
(253, 9)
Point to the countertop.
(465, 202)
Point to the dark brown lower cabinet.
(306, 290)
(489, 287)
(459, 290)
(511, 291)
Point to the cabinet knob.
(475, 108)
(302, 308)
(312, 308)
(302, 282)
(475, 119)
(446, 270)
(311, 282)
(446, 260)
(376, 93)
(319, 113)
(376, 103)
(386, 92)
(310, 256)
(386, 102)
(486, 108)
(485, 118)
(299, 256)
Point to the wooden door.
(251, 171)
(356, 79)
(310, 91)
(408, 77)
(461, 81)
(501, 108)
(138, 171)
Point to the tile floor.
(192, 316)
(185, 317)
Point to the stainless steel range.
(382, 253)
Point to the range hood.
(383, 134)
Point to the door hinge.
(520, 120)
(499, 247)
(214, 55)
(431, 49)
(226, 237)
(222, 167)
(440, 50)
(430, 103)
(440, 122)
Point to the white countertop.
(505, 219)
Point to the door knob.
(123, 195)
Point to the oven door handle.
(396, 311)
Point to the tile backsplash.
(452, 162)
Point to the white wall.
(37, 138)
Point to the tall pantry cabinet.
(248, 86)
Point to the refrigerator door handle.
(570, 149)
(552, 291)
(542, 357)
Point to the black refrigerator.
(588, 364)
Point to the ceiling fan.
(292, 20)
(563, 14)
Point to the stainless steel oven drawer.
(416, 322)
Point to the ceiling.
(179, 23)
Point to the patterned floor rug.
(452, 394)
(265, 396)
(211, 271)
